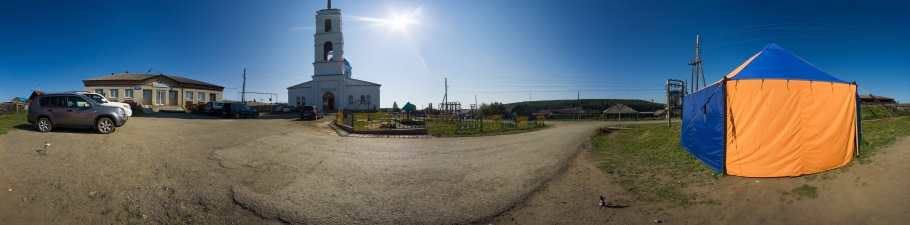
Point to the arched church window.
(298, 100)
(326, 50)
(328, 25)
(368, 99)
(303, 100)
(363, 99)
(350, 99)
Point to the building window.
(368, 99)
(189, 95)
(363, 100)
(201, 96)
(211, 97)
(128, 93)
(326, 50)
(303, 100)
(328, 25)
(350, 99)
(146, 94)
(115, 93)
(99, 91)
(298, 100)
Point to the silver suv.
(74, 110)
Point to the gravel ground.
(179, 168)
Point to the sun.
(397, 22)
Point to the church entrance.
(328, 101)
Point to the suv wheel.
(44, 125)
(237, 116)
(105, 125)
(256, 116)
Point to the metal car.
(238, 110)
(100, 99)
(213, 108)
(311, 111)
(74, 110)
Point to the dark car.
(74, 110)
(311, 112)
(238, 110)
(213, 108)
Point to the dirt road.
(873, 193)
(176, 168)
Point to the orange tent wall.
(778, 128)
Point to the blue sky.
(504, 51)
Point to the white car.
(100, 99)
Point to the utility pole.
(697, 64)
(243, 96)
(667, 106)
(577, 101)
(445, 98)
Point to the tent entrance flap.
(703, 125)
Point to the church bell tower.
(328, 43)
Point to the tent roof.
(409, 107)
(774, 62)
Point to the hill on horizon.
(589, 104)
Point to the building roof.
(140, 77)
(625, 110)
(20, 99)
(868, 97)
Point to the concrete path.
(401, 181)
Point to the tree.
(395, 107)
(492, 109)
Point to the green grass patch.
(878, 112)
(649, 164)
(449, 130)
(881, 133)
(13, 122)
(801, 192)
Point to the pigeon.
(603, 201)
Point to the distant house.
(154, 89)
(868, 99)
(626, 112)
(524, 110)
(660, 113)
(20, 101)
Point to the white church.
(332, 87)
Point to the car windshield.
(97, 98)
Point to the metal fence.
(447, 123)
(380, 120)
(434, 123)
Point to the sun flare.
(397, 22)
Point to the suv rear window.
(43, 101)
(308, 107)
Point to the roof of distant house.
(625, 109)
(139, 77)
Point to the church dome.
(346, 63)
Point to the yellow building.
(155, 90)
